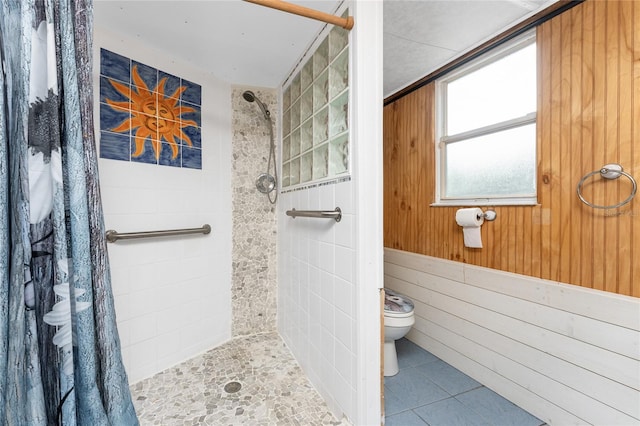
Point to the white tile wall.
(316, 295)
(172, 295)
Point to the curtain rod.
(346, 23)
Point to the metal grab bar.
(113, 236)
(324, 214)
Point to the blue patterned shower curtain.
(60, 360)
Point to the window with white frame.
(486, 133)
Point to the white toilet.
(398, 320)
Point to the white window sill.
(486, 202)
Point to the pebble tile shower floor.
(273, 389)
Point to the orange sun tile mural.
(147, 115)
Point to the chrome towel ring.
(608, 171)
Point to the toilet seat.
(395, 322)
(391, 314)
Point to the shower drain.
(232, 387)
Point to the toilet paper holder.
(489, 215)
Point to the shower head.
(249, 96)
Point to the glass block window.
(486, 150)
(315, 128)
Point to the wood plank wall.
(588, 116)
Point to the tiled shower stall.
(258, 271)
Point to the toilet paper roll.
(471, 219)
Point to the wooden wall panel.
(407, 190)
(634, 234)
(588, 116)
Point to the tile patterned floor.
(274, 389)
(428, 391)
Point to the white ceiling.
(422, 36)
(247, 44)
